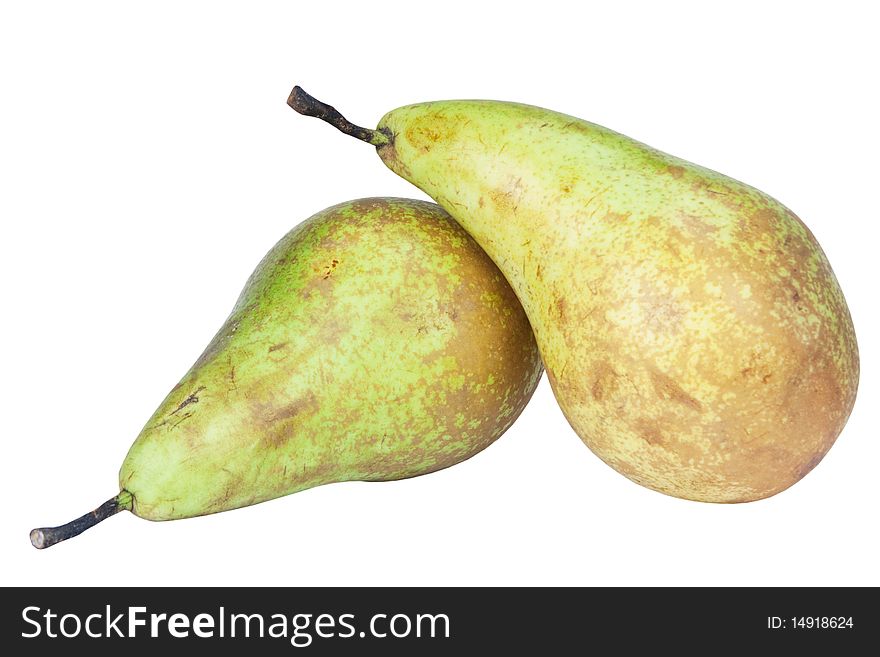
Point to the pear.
(376, 341)
(691, 327)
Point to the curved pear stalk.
(308, 105)
(48, 536)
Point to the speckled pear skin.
(691, 326)
(375, 341)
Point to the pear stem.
(48, 536)
(308, 105)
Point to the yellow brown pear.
(691, 326)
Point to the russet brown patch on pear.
(667, 388)
(605, 381)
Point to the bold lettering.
(203, 626)
(154, 623)
(134, 621)
(178, 626)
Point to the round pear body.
(691, 326)
(375, 341)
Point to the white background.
(148, 160)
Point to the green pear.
(691, 327)
(376, 341)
